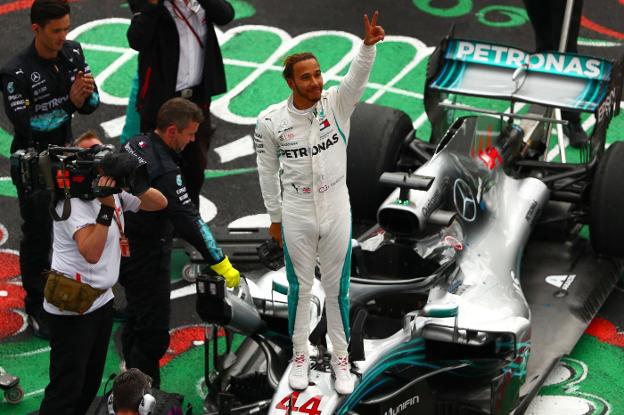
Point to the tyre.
(377, 134)
(606, 213)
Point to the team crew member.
(179, 56)
(131, 394)
(146, 274)
(43, 86)
(308, 134)
(87, 249)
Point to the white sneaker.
(298, 377)
(344, 383)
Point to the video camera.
(73, 172)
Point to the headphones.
(146, 406)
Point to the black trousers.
(35, 246)
(195, 155)
(547, 20)
(146, 278)
(78, 353)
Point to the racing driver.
(310, 213)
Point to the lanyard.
(181, 15)
(117, 217)
(124, 244)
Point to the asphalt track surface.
(232, 187)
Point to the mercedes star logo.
(464, 200)
(35, 77)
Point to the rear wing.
(552, 79)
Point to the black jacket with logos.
(181, 215)
(154, 35)
(36, 96)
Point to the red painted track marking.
(182, 339)
(19, 5)
(11, 296)
(605, 331)
(15, 6)
(591, 25)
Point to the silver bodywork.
(494, 218)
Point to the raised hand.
(372, 32)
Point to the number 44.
(310, 407)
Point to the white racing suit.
(313, 202)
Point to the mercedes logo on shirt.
(464, 200)
(35, 77)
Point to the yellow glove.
(228, 272)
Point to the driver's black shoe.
(38, 322)
(576, 135)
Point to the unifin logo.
(403, 406)
(515, 58)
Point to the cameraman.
(146, 274)
(78, 296)
(43, 86)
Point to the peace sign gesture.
(372, 32)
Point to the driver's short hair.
(291, 60)
(179, 112)
(42, 11)
(129, 388)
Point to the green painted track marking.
(216, 174)
(514, 16)
(456, 9)
(5, 143)
(251, 46)
(266, 90)
(6, 187)
(118, 83)
(606, 363)
(242, 9)
(234, 75)
(100, 60)
(111, 34)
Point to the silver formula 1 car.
(475, 279)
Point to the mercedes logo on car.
(464, 200)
